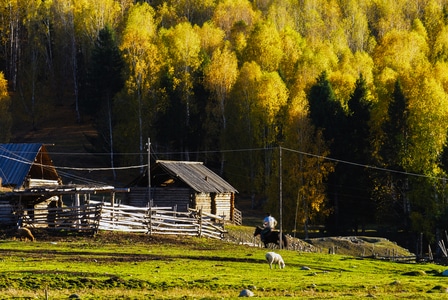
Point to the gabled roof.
(196, 175)
(21, 161)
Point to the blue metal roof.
(16, 161)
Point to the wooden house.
(184, 184)
(25, 166)
(29, 180)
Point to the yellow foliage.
(428, 105)
(440, 73)
(401, 50)
(3, 87)
(280, 15)
(230, 12)
(222, 72)
(272, 94)
(306, 173)
(264, 46)
(212, 37)
(440, 45)
(139, 51)
(183, 44)
(5, 116)
(220, 76)
(92, 16)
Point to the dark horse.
(272, 237)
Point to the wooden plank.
(203, 202)
(222, 204)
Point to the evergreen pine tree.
(105, 72)
(357, 185)
(395, 129)
(105, 80)
(393, 200)
(326, 113)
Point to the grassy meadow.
(138, 266)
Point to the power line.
(24, 161)
(156, 154)
(366, 166)
(97, 168)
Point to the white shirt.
(270, 222)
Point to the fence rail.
(75, 218)
(160, 220)
(237, 217)
(104, 216)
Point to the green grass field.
(137, 266)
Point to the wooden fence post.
(200, 223)
(150, 219)
(98, 213)
(77, 210)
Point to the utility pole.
(280, 197)
(149, 172)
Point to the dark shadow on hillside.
(108, 257)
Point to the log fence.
(83, 218)
(96, 216)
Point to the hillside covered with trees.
(348, 98)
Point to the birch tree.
(183, 46)
(37, 55)
(220, 76)
(92, 16)
(255, 105)
(228, 13)
(143, 64)
(12, 12)
(67, 42)
(305, 170)
(264, 46)
(428, 112)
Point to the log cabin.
(184, 185)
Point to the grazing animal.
(276, 259)
(246, 293)
(25, 233)
(272, 237)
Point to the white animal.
(246, 293)
(276, 259)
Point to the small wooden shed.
(29, 181)
(24, 167)
(184, 184)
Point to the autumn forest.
(343, 102)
